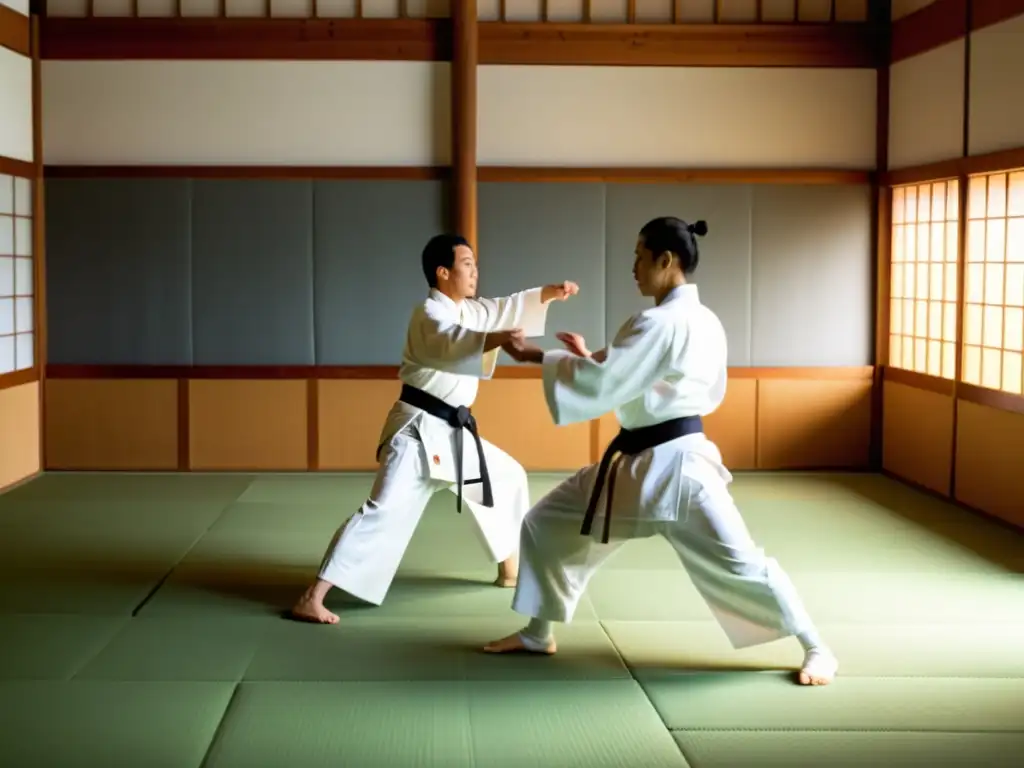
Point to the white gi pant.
(749, 594)
(364, 555)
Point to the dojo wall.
(19, 391)
(935, 434)
(187, 314)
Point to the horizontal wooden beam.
(969, 393)
(694, 45)
(17, 378)
(990, 162)
(387, 372)
(15, 31)
(682, 45)
(944, 21)
(220, 38)
(21, 168)
(484, 174)
(676, 175)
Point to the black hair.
(440, 252)
(667, 233)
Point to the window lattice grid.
(993, 337)
(924, 278)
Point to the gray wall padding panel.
(535, 234)
(118, 271)
(252, 272)
(812, 276)
(217, 272)
(723, 274)
(369, 236)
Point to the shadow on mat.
(991, 539)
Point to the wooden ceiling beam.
(697, 45)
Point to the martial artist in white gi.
(430, 442)
(665, 369)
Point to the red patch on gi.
(437, 459)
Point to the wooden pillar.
(465, 47)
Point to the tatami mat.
(142, 623)
(844, 749)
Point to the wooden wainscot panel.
(512, 414)
(248, 425)
(990, 460)
(351, 414)
(917, 435)
(819, 423)
(731, 427)
(128, 424)
(19, 439)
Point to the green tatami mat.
(771, 701)
(130, 486)
(94, 588)
(90, 724)
(41, 647)
(839, 749)
(953, 596)
(339, 490)
(253, 516)
(660, 649)
(211, 649)
(379, 649)
(447, 725)
(592, 724)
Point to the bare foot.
(819, 668)
(514, 644)
(310, 609)
(508, 573)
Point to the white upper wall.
(926, 107)
(676, 117)
(997, 87)
(246, 112)
(21, 6)
(15, 105)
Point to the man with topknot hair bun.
(661, 475)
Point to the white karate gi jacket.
(666, 362)
(444, 357)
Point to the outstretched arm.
(526, 310)
(584, 387)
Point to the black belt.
(458, 419)
(630, 442)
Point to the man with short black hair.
(430, 440)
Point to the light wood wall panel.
(926, 106)
(808, 423)
(392, 113)
(19, 433)
(990, 461)
(997, 87)
(15, 105)
(350, 416)
(917, 435)
(112, 424)
(252, 425)
(248, 425)
(676, 117)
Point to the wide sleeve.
(523, 310)
(436, 341)
(580, 388)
